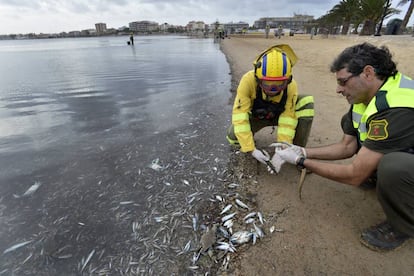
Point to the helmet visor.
(273, 87)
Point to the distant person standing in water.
(131, 38)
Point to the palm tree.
(386, 8)
(347, 10)
(374, 11)
(368, 12)
(407, 15)
(344, 13)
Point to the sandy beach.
(320, 234)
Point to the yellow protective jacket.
(243, 103)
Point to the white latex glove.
(277, 161)
(299, 150)
(261, 156)
(291, 155)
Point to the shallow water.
(127, 144)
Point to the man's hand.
(299, 150)
(261, 156)
(277, 161)
(290, 155)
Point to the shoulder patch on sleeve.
(378, 130)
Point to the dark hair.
(355, 58)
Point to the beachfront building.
(100, 28)
(239, 27)
(144, 26)
(297, 22)
(195, 26)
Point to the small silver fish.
(30, 191)
(187, 246)
(249, 220)
(228, 224)
(224, 232)
(228, 207)
(16, 246)
(195, 221)
(155, 165)
(88, 259)
(240, 237)
(242, 204)
(233, 185)
(258, 230)
(249, 215)
(219, 198)
(230, 216)
(273, 229)
(260, 216)
(226, 247)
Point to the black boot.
(383, 237)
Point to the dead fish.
(273, 229)
(228, 207)
(249, 215)
(226, 247)
(219, 198)
(228, 224)
(233, 185)
(195, 221)
(88, 259)
(226, 262)
(260, 216)
(187, 246)
(16, 246)
(30, 191)
(155, 165)
(254, 238)
(249, 220)
(224, 232)
(230, 216)
(258, 230)
(242, 204)
(240, 237)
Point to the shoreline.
(320, 234)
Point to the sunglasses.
(343, 81)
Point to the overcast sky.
(54, 16)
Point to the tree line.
(370, 13)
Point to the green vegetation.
(367, 13)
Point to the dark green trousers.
(395, 190)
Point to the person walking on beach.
(268, 96)
(379, 131)
(312, 32)
(279, 32)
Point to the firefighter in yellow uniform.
(268, 96)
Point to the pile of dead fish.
(238, 224)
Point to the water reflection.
(87, 121)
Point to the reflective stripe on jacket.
(243, 103)
(397, 91)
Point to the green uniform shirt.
(389, 131)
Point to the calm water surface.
(109, 153)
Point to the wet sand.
(320, 234)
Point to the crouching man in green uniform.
(379, 130)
